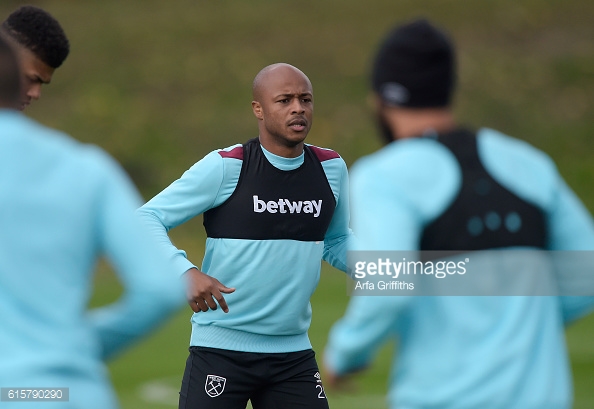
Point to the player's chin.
(296, 136)
(294, 140)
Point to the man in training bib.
(273, 208)
(437, 186)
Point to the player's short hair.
(10, 83)
(36, 30)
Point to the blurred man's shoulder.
(500, 147)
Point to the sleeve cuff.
(182, 264)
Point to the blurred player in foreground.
(63, 205)
(41, 46)
(439, 186)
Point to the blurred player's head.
(283, 104)
(414, 69)
(41, 47)
(9, 77)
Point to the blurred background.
(160, 84)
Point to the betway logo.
(286, 206)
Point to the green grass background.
(159, 84)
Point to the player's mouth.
(24, 105)
(298, 125)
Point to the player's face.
(285, 108)
(34, 73)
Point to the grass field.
(160, 84)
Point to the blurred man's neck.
(409, 123)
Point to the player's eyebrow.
(43, 81)
(37, 78)
(303, 94)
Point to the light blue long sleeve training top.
(62, 206)
(460, 352)
(274, 279)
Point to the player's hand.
(333, 381)
(203, 290)
(336, 382)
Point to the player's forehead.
(286, 80)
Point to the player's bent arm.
(152, 292)
(382, 220)
(193, 193)
(354, 339)
(155, 228)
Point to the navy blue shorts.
(222, 379)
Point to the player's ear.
(257, 109)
